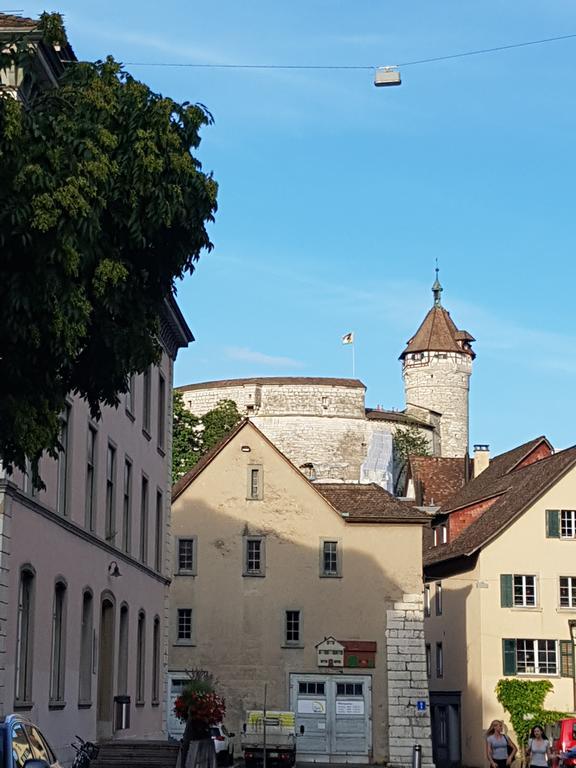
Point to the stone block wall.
(442, 384)
(407, 683)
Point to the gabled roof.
(369, 502)
(514, 486)
(440, 477)
(438, 333)
(352, 501)
(289, 380)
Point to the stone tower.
(436, 367)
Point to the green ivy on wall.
(524, 702)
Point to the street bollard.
(417, 756)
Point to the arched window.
(24, 636)
(86, 645)
(156, 662)
(123, 652)
(141, 658)
(58, 659)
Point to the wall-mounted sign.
(359, 654)
(421, 706)
(349, 706)
(330, 653)
(311, 707)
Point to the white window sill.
(185, 643)
(529, 608)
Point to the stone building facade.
(324, 426)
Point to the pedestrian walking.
(500, 750)
(538, 751)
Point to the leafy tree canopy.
(103, 205)
(193, 436)
(524, 702)
(410, 441)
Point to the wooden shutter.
(566, 658)
(553, 523)
(509, 657)
(506, 600)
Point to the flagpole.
(353, 360)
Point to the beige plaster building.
(500, 596)
(324, 426)
(267, 567)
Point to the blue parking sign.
(421, 706)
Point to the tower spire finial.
(437, 289)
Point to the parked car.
(22, 745)
(562, 736)
(223, 744)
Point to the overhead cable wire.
(415, 62)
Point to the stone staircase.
(148, 754)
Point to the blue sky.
(337, 197)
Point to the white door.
(176, 684)
(336, 712)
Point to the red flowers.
(207, 708)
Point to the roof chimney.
(481, 458)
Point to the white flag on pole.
(348, 338)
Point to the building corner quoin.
(407, 682)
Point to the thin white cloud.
(270, 361)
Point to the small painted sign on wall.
(330, 653)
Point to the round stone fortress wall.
(320, 425)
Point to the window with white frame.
(254, 556)
(524, 591)
(568, 523)
(330, 558)
(293, 628)
(567, 591)
(187, 555)
(184, 628)
(536, 657)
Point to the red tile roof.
(438, 333)
(439, 477)
(8, 21)
(512, 485)
(369, 502)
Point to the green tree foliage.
(524, 702)
(410, 441)
(102, 207)
(193, 436)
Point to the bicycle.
(86, 751)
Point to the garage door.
(336, 712)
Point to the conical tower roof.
(438, 332)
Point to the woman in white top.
(497, 746)
(538, 749)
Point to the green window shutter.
(566, 658)
(506, 590)
(553, 523)
(509, 657)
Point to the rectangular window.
(427, 609)
(254, 490)
(127, 506)
(130, 399)
(330, 565)
(184, 624)
(58, 664)
(146, 400)
(568, 591)
(156, 662)
(444, 528)
(524, 591)
(567, 663)
(438, 598)
(86, 635)
(186, 556)
(24, 636)
(144, 520)
(568, 523)
(110, 522)
(428, 661)
(439, 660)
(161, 410)
(123, 651)
(90, 499)
(435, 536)
(349, 689)
(312, 689)
(254, 563)
(63, 462)
(159, 531)
(141, 659)
(292, 628)
(536, 657)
